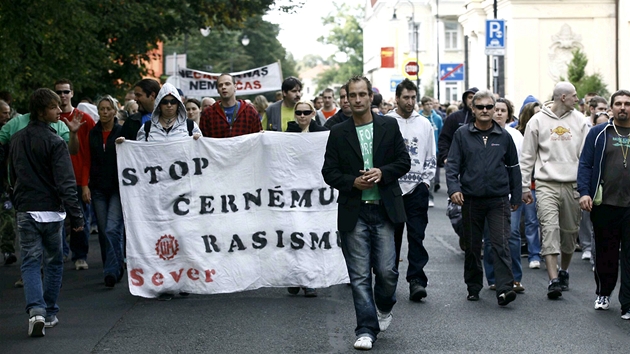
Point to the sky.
(299, 31)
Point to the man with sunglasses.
(79, 241)
(483, 177)
(229, 117)
(552, 144)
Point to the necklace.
(485, 139)
(167, 122)
(621, 143)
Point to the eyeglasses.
(64, 92)
(172, 101)
(305, 113)
(481, 107)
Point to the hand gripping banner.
(225, 215)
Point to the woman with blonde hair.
(304, 112)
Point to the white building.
(540, 35)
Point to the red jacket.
(81, 170)
(214, 124)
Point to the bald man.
(552, 144)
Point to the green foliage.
(584, 83)
(347, 35)
(98, 44)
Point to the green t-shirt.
(366, 139)
(20, 122)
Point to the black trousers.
(611, 227)
(496, 212)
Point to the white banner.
(227, 215)
(249, 82)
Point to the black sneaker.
(554, 291)
(293, 290)
(506, 297)
(9, 258)
(436, 187)
(110, 281)
(472, 297)
(563, 276)
(417, 292)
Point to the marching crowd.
(560, 171)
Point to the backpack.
(190, 124)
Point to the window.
(450, 35)
(451, 92)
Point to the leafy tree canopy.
(347, 35)
(98, 44)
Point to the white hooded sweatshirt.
(552, 146)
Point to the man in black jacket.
(365, 157)
(482, 171)
(44, 190)
(145, 91)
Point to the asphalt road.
(94, 319)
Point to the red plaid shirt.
(214, 124)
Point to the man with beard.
(604, 190)
(228, 116)
(280, 113)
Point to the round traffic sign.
(412, 68)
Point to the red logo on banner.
(167, 247)
(387, 57)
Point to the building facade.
(540, 36)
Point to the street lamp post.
(244, 42)
(416, 40)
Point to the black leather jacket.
(41, 172)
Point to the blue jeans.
(416, 208)
(370, 246)
(40, 242)
(80, 241)
(532, 232)
(110, 231)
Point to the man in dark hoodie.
(452, 123)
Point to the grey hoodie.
(179, 129)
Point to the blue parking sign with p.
(495, 34)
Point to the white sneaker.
(384, 319)
(534, 265)
(51, 322)
(431, 203)
(80, 264)
(363, 343)
(586, 255)
(36, 326)
(602, 303)
(625, 315)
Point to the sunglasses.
(172, 101)
(64, 92)
(481, 107)
(305, 113)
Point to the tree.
(347, 35)
(99, 44)
(584, 83)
